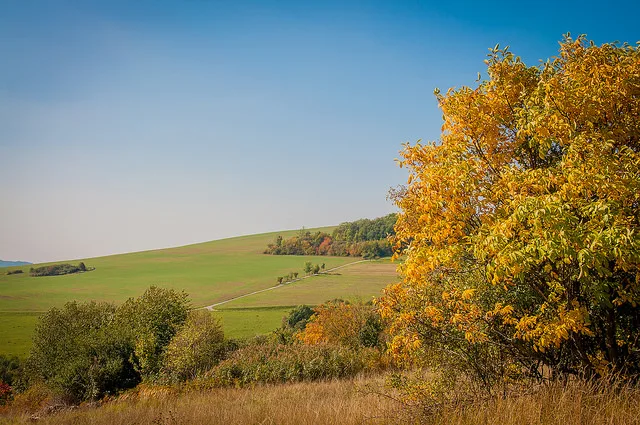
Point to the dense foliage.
(344, 323)
(150, 322)
(83, 351)
(521, 225)
(366, 230)
(80, 352)
(269, 362)
(9, 368)
(196, 348)
(337, 339)
(57, 269)
(366, 238)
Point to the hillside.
(209, 272)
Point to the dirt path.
(211, 307)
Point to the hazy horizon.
(128, 126)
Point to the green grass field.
(209, 272)
(359, 281)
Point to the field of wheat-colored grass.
(353, 401)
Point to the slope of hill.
(209, 272)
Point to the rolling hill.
(209, 272)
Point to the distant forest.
(362, 238)
(58, 270)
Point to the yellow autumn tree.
(344, 323)
(520, 226)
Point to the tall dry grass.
(575, 403)
(333, 402)
(348, 402)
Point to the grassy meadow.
(209, 272)
(362, 280)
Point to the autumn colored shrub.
(521, 225)
(348, 324)
(6, 393)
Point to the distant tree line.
(362, 238)
(58, 269)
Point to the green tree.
(298, 317)
(198, 346)
(79, 353)
(308, 267)
(151, 321)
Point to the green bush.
(278, 363)
(298, 317)
(196, 348)
(57, 270)
(79, 354)
(151, 321)
(84, 351)
(10, 369)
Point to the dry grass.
(334, 402)
(577, 403)
(345, 402)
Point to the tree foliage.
(353, 325)
(196, 348)
(520, 226)
(86, 350)
(57, 269)
(151, 320)
(80, 353)
(363, 237)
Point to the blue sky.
(127, 126)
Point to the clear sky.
(133, 125)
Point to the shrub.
(197, 347)
(6, 394)
(57, 269)
(10, 272)
(10, 369)
(84, 351)
(277, 363)
(79, 354)
(340, 322)
(151, 321)
(298, 317)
